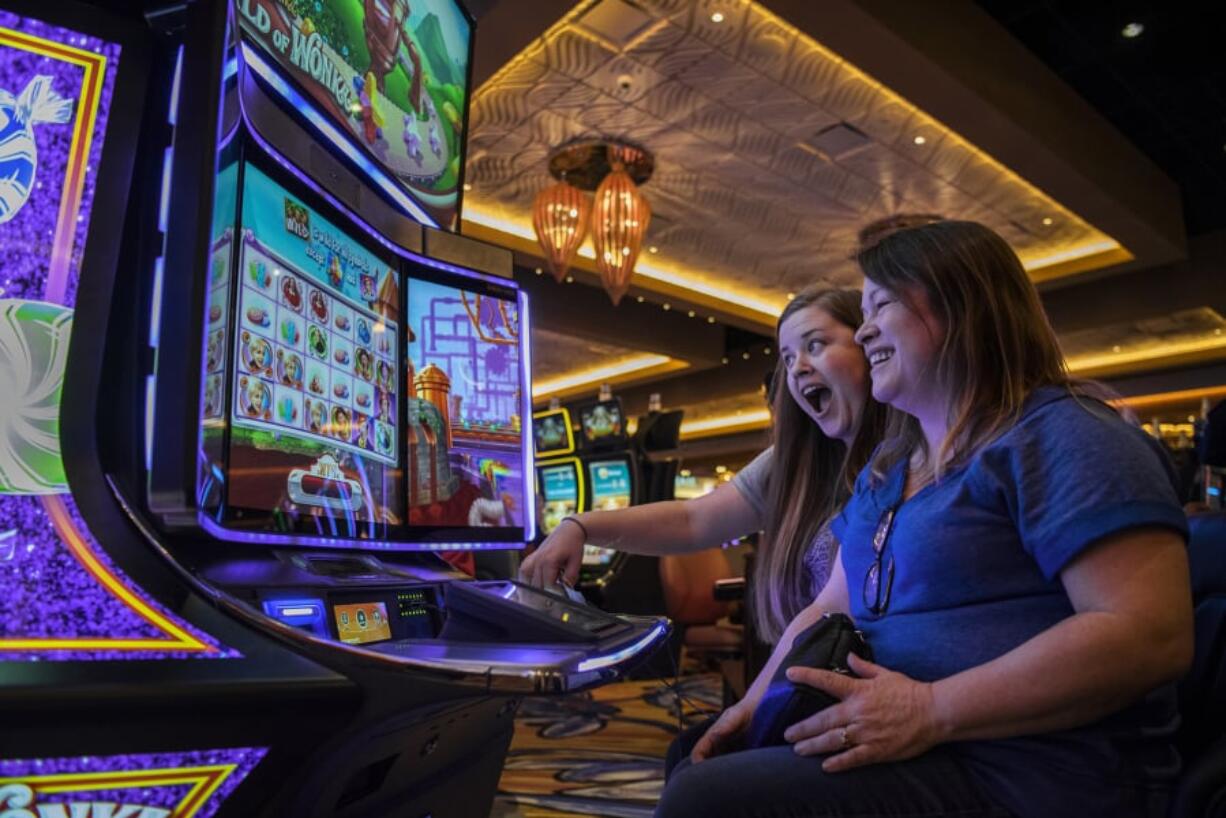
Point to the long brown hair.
(998, 345)
(811, 478)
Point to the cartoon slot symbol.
(37, 104)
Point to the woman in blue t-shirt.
(1014, 554)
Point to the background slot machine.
(560, 481)
(611, 473)
(271, 395)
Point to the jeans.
(774, 782)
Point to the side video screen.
(313, 374)
(465, 421)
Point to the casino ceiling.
(781, 128)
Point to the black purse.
(825, 645)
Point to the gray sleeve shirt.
(751, 481)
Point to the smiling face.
(902, 341)
(827, 374)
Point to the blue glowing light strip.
(155, 316)
(173, 116)
(164, 204)
(219, 531)
(525, 424)
(598, 662)
(343, 144)
(150, 392)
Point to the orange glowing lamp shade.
(620, 216)
(560, 218)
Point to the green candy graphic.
(33, 352)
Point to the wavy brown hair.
(998, 345)
(811, 478)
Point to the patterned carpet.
(599, 753)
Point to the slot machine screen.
(309, 390)
(551, 433)
(392, 74)
(560, 491)
(362, 622)
(603, 424)
(465, 430)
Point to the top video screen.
(393, 74)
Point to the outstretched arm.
(670, 527)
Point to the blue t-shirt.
(977, 558)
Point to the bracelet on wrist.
(582, 527)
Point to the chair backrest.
(1202, 693)
(689, 586)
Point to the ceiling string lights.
(619, 216)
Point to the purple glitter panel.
(28, 236)
(24, 783)
(49, 593)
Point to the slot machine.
(610, 472)
(258, 387)
(560, 481)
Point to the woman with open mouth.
(825, 426)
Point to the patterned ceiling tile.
(768, 44)
(715, 123)
(626, 79)
(947, 159)
(732, 111)
(670, 50)
(671, 102)
(675, 11)
(574, 54)
(728, 33)
(550, 86)
(718, 76)
(851, 97)
(812, 72)
(549, 128)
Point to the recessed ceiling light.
(1115, 348)
(723, 360)
(766, 351)
(1217, 331)
(711, 320)
(690, 313)
(745, 355)
(667, 306)
(721, 469)
(1133, 30)
(1047, 221)
(791, 296)
(919, 140)
(467, 186)
(717, 17)
(570, 279)
(653, 249)
(539, 271)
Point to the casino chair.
(1201, 790)
(693, 600)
